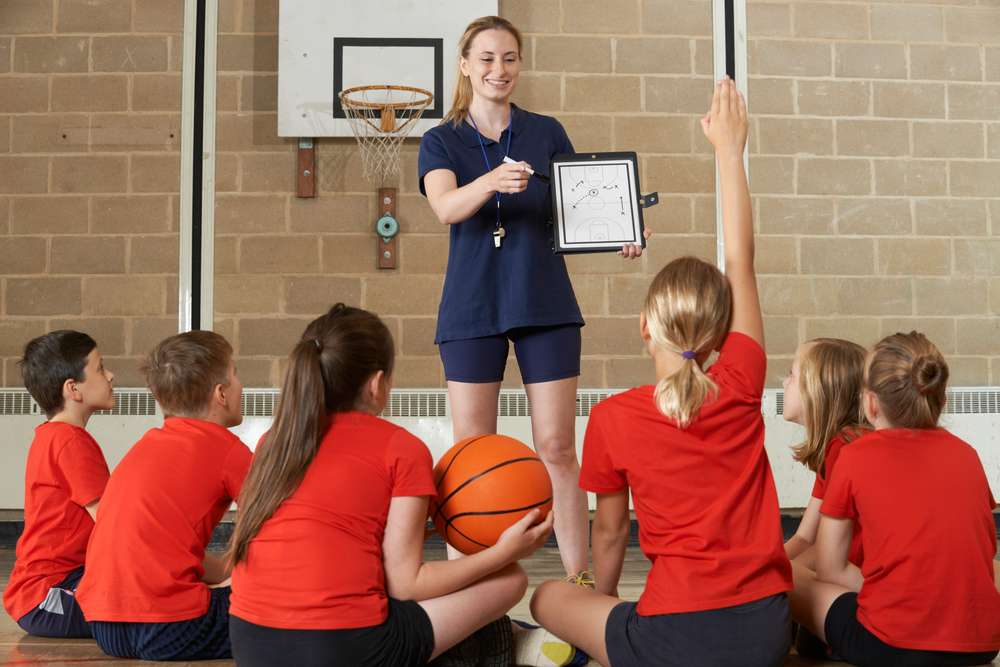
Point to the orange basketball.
(484, 485)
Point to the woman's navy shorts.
(544, 354)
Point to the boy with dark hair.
(150, 590)
(64, 481)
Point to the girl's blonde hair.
(910, 377)
(687, 310)
(831, 374)
(463, 87)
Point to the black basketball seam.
(451, 527)
(461, 486)
(497, 512)
(444, 473)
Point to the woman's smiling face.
(493, 65)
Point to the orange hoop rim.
(346, 100)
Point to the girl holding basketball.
(925, 593)
(328, 540)
(503, 283)
(823, 393)
(691, 451)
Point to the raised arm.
(452, 204)
(725, 126)
(408, 577)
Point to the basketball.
(485, 484)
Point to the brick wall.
(875, 163)
(876, 169)
(89, 157)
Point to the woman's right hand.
(508, 178)
(525, 537)
(726, 125)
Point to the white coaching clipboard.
(596, 203)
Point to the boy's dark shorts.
(405, 638)
(755, 634)
(853, 642)
(202, 638)
(58, 615)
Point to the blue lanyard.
(486, 158)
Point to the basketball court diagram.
(597, 203)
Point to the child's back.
(704, 495)
(340, 507)
(66, 471)
(159, 509)
(928, 570)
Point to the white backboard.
(325, 46)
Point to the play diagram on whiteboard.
(596, 202)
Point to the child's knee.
(542, 597)
(515, 581)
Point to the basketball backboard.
(324, 47)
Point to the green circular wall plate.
(387, 226)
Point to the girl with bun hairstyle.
(925, 593)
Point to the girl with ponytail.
(327, 549)
(690, 449)
(925, 593)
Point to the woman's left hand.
(632, 250)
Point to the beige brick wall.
(888, 115)
(89, 172)
(875, 165)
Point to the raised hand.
(725, 125)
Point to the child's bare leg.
(996, 573)
(457, 615)
(811, 599)
(574, 614)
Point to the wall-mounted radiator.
(972, 413)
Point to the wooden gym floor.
(16, 648)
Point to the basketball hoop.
(381, 117)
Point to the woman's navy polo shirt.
(489, 290)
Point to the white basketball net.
(381, 117)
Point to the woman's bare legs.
(553, 430)
(473, 412)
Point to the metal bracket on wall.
(386, 229)
(306, 178)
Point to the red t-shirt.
(316, 564)
(66, 471)
(704, 496)
(856, 554)
(924, 504)
(144, 563)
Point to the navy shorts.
(202, 638)
(405, 638)
(755, 634)
(854, 643)
(544, 354)
(58, 615)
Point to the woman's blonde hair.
(687, 310)
(831, 374)
(463, 87)
(910, 377)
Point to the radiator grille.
(434, 402)
(961, 401)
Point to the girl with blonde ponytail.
(328, 544)
(926, 592)
(690, 449)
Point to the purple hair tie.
(688, 354)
